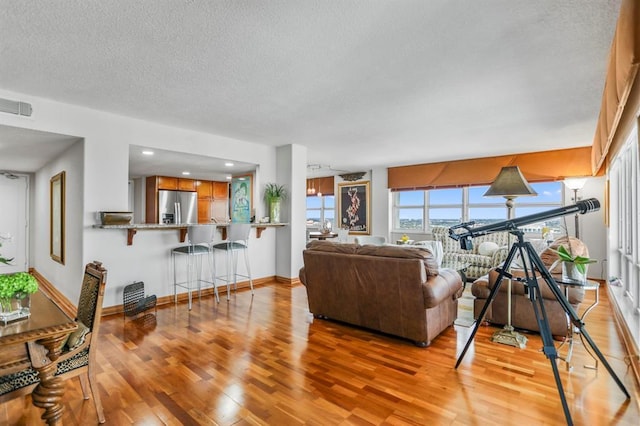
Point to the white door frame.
(14, 225)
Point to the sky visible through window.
(548, 193)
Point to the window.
(409, 210)
(624, 234)
(417, 211)
(319, 210)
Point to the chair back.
(370, 239)
(201, 234)
(239, 232)
(91, 295)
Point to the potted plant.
(274, 194)
(573, 267)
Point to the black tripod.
(532, 263)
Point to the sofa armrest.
(302, 276)
(447, 284)
(499, 255)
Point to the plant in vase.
(274, 194)
(573, 267)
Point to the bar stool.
(200, 239)
(238, 240)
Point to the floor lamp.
(510, 183)
(575, 184)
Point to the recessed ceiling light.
(228, 177)
(186, 173)
(228, 164)
(147, 152)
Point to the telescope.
(465, 238)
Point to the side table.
(588, 285)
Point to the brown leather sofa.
(397, 290)
(522, 315)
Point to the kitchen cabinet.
(212, 200)
(204, 189)
(220, 190)
(165, 182)
(186, 184)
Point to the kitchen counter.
(133, 228)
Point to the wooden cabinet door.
(204, 210)
(166, 182)
(186, 184)
(204, 189)
(220, 190)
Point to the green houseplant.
(274, 194)
(573, 267)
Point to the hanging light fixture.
(319, 193)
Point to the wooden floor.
(264, 361)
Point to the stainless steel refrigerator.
(177, 207)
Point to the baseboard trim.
(290, 281)
(184, 297)
(629, 343)
(52, 293)
(71, 310)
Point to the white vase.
(571, 272)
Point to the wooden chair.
(79, 353)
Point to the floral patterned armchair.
(488, 251)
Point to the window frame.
(322, 209)
(465, 206)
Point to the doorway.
(14, 224)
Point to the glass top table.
(587, 285)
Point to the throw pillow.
(77, 337)
(487, 248)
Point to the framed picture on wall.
(56, 217)
(241, 198)
(354, 207)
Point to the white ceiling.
(361, 83)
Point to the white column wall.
(291, 172)
(101, 179)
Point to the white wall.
(104, 186)
(592, 227)
(71, 162)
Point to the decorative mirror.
(56, 215)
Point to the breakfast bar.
(132, 229)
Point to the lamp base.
(508, 336)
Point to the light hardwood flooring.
(263, 360)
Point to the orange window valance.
(621, 94)
(323, 185)
(541, 166)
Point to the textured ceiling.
(361, 83)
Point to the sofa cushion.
(403, 252)
(330, 247)
(487, 248)
(549, 256)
